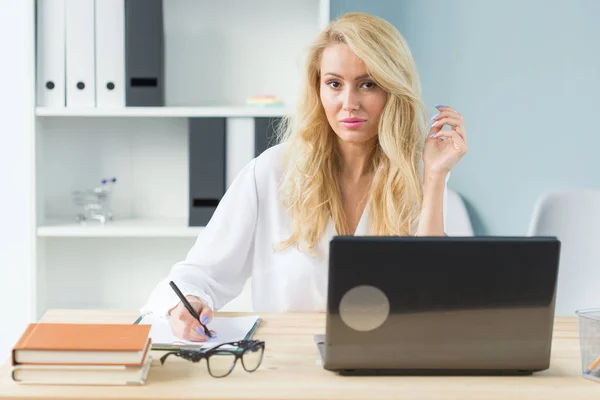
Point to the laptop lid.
(440, 303)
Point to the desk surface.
(290, 371)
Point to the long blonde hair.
(309, 188)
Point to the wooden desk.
(290, 371)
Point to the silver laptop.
(440, 305)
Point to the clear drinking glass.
(589, 341)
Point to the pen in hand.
(189, 307)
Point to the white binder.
(50, 62)
(110, 53)
(80, 53)
(239, 146)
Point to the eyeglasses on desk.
(221, 359)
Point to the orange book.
(83, 344)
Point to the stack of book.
(82, 354)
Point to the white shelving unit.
(160, 112)
(217, 54)
(134, 228)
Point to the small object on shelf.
(95, 202)
(265, 100)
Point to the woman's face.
(352, 101)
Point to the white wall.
(526, 76)
(17, 221)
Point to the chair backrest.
(457, 218)
(574, 218)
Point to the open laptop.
(440, 305)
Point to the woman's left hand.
(444, 148)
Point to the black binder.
(206, 168)
(144, 53)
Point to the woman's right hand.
(186, 327)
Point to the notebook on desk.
(228, 329)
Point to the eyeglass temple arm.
(166, 355)
(244, 344)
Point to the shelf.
(226, 111)
(120, 228)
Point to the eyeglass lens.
(221, 364)
(252, 358)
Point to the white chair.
(574, 218)
(457, 218)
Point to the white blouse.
(237, 243)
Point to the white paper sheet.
(227, 329)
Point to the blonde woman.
(357, 158)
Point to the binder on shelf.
(50, 53)
(144, 53)
(80, 53)
(265, 133)
(239, 141)
(110, 53)
(207, 150)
